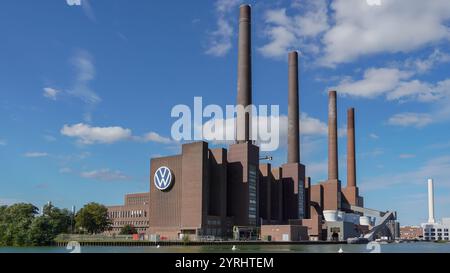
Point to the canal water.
(416, 247)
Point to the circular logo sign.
(163, 178)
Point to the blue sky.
(86, 91)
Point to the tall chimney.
(293, 110)
(244, 97)
(332, 137)
(351, 160)
(431, 219)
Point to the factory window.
(252, 177)
(301, 199)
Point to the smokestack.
(351, 160)
(332, 137)
(244, 97)
(431, 219)
(293, 110)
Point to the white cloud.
(73, 2)
(298, 31)
(87, 134)
(395, 26)
(374, 136)
(91, 135)
(424, 65)
(375, 81)
(220, 43)
(51, 93)
(85, 72)
(155, 137)
(3, 142)
(411, 119)
(105, 175)
(35, 154)
(395, 84)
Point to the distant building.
(434, 231)
(411, 233)
(134, 212)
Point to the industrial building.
(433, 230)
(133, 213)
(228, 193)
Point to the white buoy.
(340, 250)
(234, 248)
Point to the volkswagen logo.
(163, 178)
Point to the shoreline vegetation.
(23, 225)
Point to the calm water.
(384, 248)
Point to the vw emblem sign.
(163, 178)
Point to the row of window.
(127, 214)
(436, 238)
(132, 223)
(434, 234)
(137, 200)
(252, 177)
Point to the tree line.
(23, 225)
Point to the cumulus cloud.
(300, 30)
(87, 134)
(398, 83)
(51, 93)
(422, 65)
(155, 137)
(73, 2)
(219, 40)
(375, 81)
(395, 26)
(105, 175)
(35, 154)
(411, 119)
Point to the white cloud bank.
(220, 40)
(87, 134)
(342, 31)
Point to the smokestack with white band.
(431, 219)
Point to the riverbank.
(417, 247)
(141, 243)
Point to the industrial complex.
(220, 193)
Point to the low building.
(436, 231)
(284, 233)
(411, 233)
(341, 231)
(134, 212)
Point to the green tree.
(15, 222)
(128, 230)
(92, 218)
